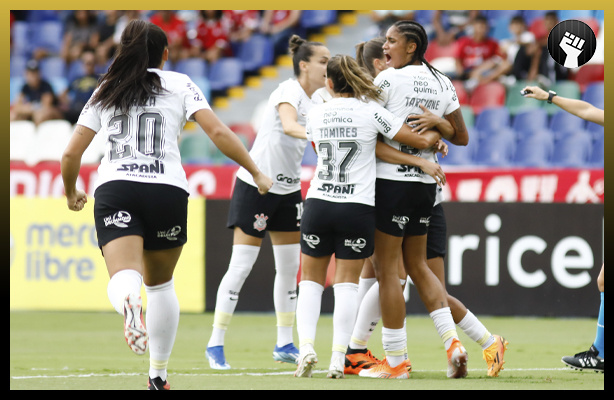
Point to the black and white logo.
(119, 219)
(572, 43)
(311, 240)
(170, 234)
(356, 244)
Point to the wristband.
(551, 95)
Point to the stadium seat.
(51, 139)
(596, 131)
(468, 116)
(313, 19)
(22, 138)
(597, 153)
(491, 94)
(74, 70)
(563, 120)
(196, 148)
(499, 26)
(566, 88)
(594, 94)
(20, 39)
(59, 84)
(193, 67)
(572, 151)
(48, 35)
(589, 74)
(496, 148)
(256, 52)
(310, 157)
(535, 118)
(461, 155)
(52, 67)
(517, 103)
(424, 17)
(225, 73)
(18, 65)
(534, 151)
(492, 118)
(461, 92)
(203, 83)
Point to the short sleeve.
(193, 99)
(382, 81)
(90, 117)
(384, 121)
(290, 94)
(453, 102)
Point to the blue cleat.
(216, 357)
(286, 354)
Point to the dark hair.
(348, 77)
(481, 18)
(414, 32)
(127, 82)
(301, 50)
(368, 51)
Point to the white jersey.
(404, 90)
(344, 131)
(276, 154)
(142, 145)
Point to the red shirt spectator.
(211, 39)
(176, 32)
(241, 23)
(476, 50)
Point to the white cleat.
(134, 327)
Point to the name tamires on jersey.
(142, 145)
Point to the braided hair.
(414, 32)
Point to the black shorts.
(436, 238)
(403, 208)
(255, 213)
(157, 212)
(344, 229)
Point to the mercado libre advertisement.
(56, 264)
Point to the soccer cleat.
(493, 355)
(158, 384)
(215, 355)
(383, 370)
(357, 360)
(457, 360)
(286, 354)
(589, 360)
(306, 364)
(134, 327)
(335, 370)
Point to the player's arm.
(427, 120)
(460, 135)
(393, 156)
(232, 147)
(71, 164)
(289, 121)
(419, 141)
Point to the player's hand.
(263, 182)
(434, 170)
(441, 147)
(425, 121)
(76, 201)
(534, 92)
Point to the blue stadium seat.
(75, 70)
(574, 14)
(52, 67)
(256, 52)
(563, 120)
(572, 151)
(313, 19)
(20, 39)
(203, 83)
(38, 16)
(461, 155)
(531, 15)
(48, 35)
(226, 72)
(534, 151)
(196, 148)
(193, 67)
(310, 157)
(424, 17)
(496, 148)
(499, 27)
(492, 118)
(530, 118)
(597, 131)
(18, 65)
(594, 94)
(597, 153)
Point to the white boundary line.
(272, 373)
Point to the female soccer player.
(339, 215)
(141, 196)
(371, 54)
(278, 151)
(405, 200)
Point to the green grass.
(54, 350)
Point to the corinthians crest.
(260, 222)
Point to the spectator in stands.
(37, 101)
(79, 91)
(102, 40)
(80, 27)
(241, 24)
(280, 25)
(544, 69)
(519, 49)
(211, 42)
(479, 58)
(452, 24)
(384, 18)
(122, 21)
(176, 32)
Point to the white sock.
(287, 261)
(344, 314)
(364, 285)
(395, 345)
(308, 312)
(368, 316)
(444, 323)
(476, 330)
(121, 285)
(241, 263)
(162, 320)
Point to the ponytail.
(301, 50)
(366, 52)
(127, 83)
(349, 78)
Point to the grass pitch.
(55, 350)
